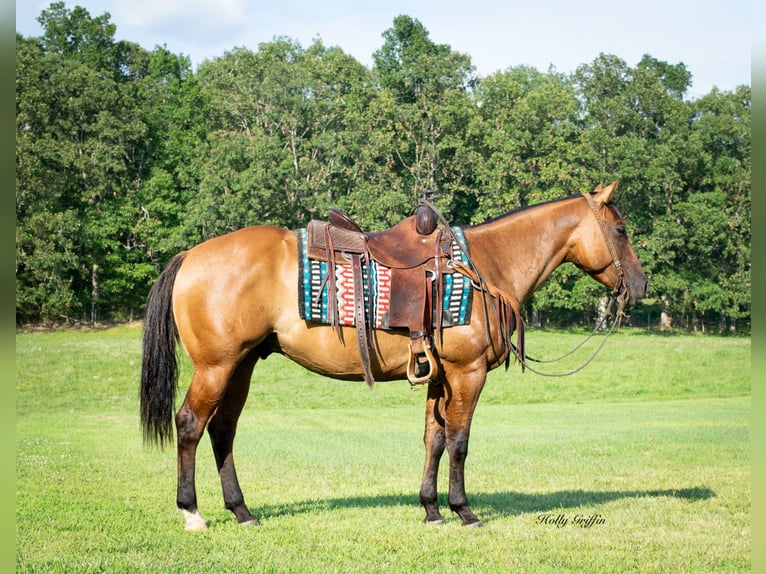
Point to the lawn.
(639, 463)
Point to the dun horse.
(232, 300)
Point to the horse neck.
(517, 252)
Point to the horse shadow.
(488, 504)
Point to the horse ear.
(604, 194)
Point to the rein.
(524, 360)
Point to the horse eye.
(620, 229)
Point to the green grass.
(654, 437)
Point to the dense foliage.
(125, 156)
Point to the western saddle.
(416, 251)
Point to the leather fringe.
(507, 312)
(509, 320)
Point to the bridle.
(620, 290)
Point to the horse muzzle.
(629, 288)
(636, 288)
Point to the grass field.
(640, 463)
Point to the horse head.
(603, 251)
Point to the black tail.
(159, 370)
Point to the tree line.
(125, 156)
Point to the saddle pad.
(313, 289)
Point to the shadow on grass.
(489, 504)
(517, 503)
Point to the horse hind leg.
(222, 428)
(204, 394)
(189, 432)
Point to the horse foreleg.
(457, 447)
(433, 438)
(463, 396)
(222, 428)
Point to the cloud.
(200, 29)
(180, 17)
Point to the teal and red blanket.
(313, 289)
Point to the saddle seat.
(400, 247)
(415, 250)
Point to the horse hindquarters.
(222, 320)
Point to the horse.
(232, 300)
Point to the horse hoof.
(477, 524)
(437, 522)
(253, 522)
(194, 522)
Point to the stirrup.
(433, 366)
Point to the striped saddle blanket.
(313, 290)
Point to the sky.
(711, 37)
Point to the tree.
(284, 135)
(174, 110)
(427, 86)
(528, 134)
(125, 157)
(79, 148)
(84, 148)
(718, 216)
(684, 179)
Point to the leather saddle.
(416, 251)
